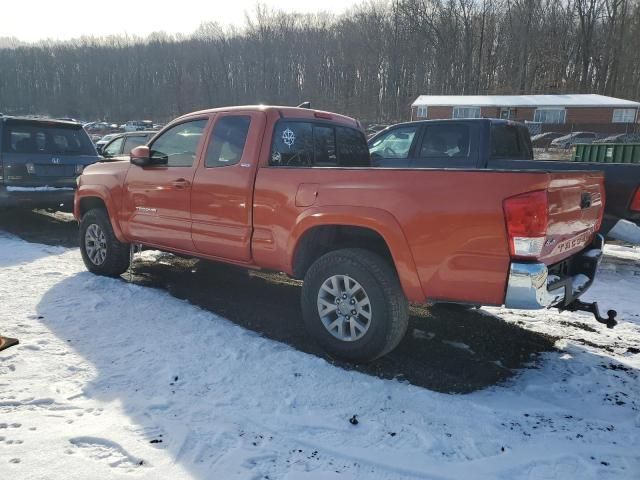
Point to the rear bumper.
(36, 198)
(534, 285)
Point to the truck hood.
(107, 167)
(110, 174)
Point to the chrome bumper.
(532, 286)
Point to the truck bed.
(453, 220)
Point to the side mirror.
(140, 156)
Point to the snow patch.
(106, 390)
(44, 188)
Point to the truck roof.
(283, 112)
(458, 120)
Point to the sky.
(33, 20)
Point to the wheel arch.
(321, 230)
(91, 197)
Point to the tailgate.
(576, 204)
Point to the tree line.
(370, 62)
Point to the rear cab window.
(508, 141)
(42, 138)
(317, 144)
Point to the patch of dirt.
(580, 325)
(39, 226)
(269, 303)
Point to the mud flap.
(6, 342)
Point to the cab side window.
(227, 141)
(393, 144)
(325, 151)
(505, 142)
(316, 144)
(178, 145)
(292, 145)
(114, 148)
(352, 148)
(445, 141)
(133, 141)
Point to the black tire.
(116, 261)
(389, 309)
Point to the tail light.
(635, 203)
(527, 220)
(603, 201)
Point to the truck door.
(222, 193)
(157, 197)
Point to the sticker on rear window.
(288, 137)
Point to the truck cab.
(460, 143)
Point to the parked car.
(620, 138)
(543, 140)
(106, 139)
(290, 189)
(568, 141)
(97, 127)
(496, 144)
(118, 147)
(40, 160)
(138, 125)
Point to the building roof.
(568, 100)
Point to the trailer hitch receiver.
(578, 305)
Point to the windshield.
(45, 139)
(394, 144)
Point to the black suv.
(40, 160)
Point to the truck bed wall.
(451, 221)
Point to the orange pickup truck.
(291, 190)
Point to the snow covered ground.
(114, 380)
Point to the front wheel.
(101, 251)
(353, 304)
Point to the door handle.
(181, 183)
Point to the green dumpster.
(607, 153)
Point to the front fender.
(375, 219)
(101, 192)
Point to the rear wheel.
(353, 304)
(101, 251)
